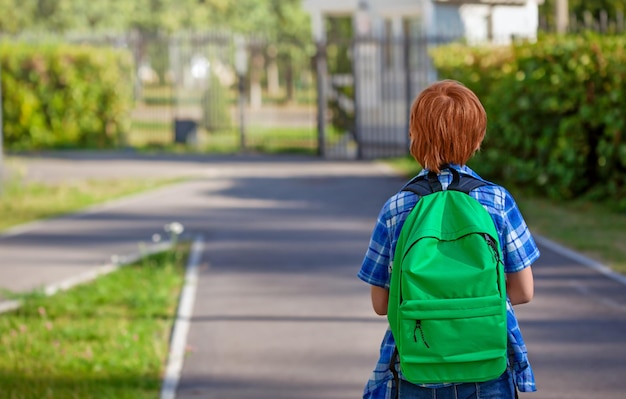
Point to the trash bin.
(185, 131)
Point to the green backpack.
(447, 298)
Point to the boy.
(447, 126)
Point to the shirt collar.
(461, 168)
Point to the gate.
(369, 85)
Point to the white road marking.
(181, 326)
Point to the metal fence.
(218, 92)
(367, 86)
(604, 23)
(348, 99)
(222, 92)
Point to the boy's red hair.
(446, 125)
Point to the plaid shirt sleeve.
(522, 372)
(376, 266)
(520, 250)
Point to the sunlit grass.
(105, 339)
(586, 227)
(159, 136)
(23, 201)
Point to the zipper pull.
(493, 247)
(418, 326)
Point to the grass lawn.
(586, 227)
(106, 339)
(149, 136)
(23, 202)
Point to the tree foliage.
(64, 96)
(280, 19)
(557, 104)
(578, 9)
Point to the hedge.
(556, 112)
(60, 96)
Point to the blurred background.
(332, 78)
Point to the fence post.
(408, 85)
(562, 12)
(241, 66)
(321, 70)
(1, 136)
(604, 21)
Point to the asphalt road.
(279, 312)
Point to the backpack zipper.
(496, 255)
(418, 326)
(493, 247)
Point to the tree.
(149, 21)
(283, 18)
(16, 15)
(579, 8)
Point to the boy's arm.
(380, 299)
(520, 286)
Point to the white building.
(476, 20)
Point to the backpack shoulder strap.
(424, 185)
(428, 184)
(464, 183)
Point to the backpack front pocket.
(452, 340)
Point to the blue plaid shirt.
(518, 248)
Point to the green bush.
(342, 119)
(58, 96)
(478, 67)
(216, 106)
(555, 110)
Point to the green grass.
(159, 136)
(106, 339)
(281, 140)
(150, 134)
(23, 201)
(166, 95)
(590, 228)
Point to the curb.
(64, 285)
(583, 260)
(180, 330)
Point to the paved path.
(279, 312)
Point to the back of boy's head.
(447, 125)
